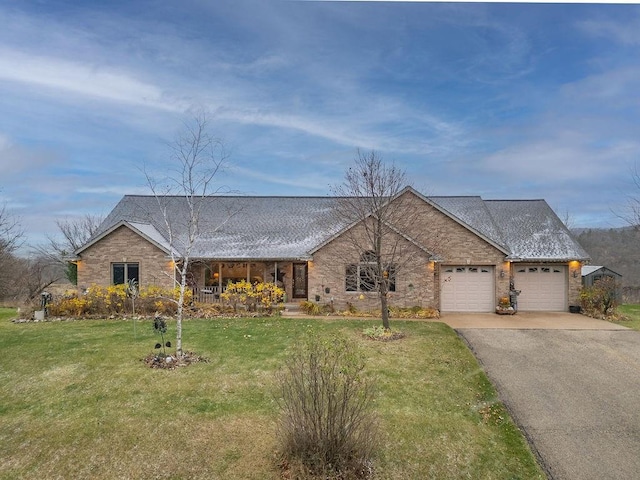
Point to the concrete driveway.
(573, 392)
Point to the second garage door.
(543, 287)
(467, 289)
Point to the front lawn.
(78, 402)
(631, 315)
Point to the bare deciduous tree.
(369, 200)
(11, 237)
(634, 202)
(198, 157)
(38, 274)
(74, 233)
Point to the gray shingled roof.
(533, 231)
(589, 269)
(288, 228)
(238, 227)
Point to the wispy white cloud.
(625, 33)
(73, 78)
(17, 159)
(565, 155)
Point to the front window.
(124, 272)
(365, 276)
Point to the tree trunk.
(183, 286)
(384, 304)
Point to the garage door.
(543, 287)
(467, 289)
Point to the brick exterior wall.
(124, 246)
(575, 283)
(418, 284)
(414, 281)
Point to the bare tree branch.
(73, 234)
(199, 158)
(369, 202)
(11, 238)
(634, 202)
(11, 233)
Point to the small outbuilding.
(593, 273)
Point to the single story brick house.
(466, 252)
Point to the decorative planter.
(506, 311)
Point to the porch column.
(219, 277)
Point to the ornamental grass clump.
(327, 428)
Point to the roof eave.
(517, 259)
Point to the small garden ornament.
(160, 326)
(504, 307)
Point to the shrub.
(209, 310)
(600, 299)
(69, 307)
(326, 426)
(380, 333)
(312, 308)
(252, 295)
(414, 312)
(113, 300)
(394, 312)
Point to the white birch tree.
(197, 158)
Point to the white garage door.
(467, 289)
(543, 287)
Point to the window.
(124, 272)
(364, 276)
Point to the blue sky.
(492, 99)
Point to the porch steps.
(292, 309)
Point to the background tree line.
(619, 250)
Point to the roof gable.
(591, 269)
(148, 232)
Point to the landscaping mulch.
(169, 362)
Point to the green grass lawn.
(78, 402)
(631, 314)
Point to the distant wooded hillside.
(614, 248)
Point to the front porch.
(208, 278)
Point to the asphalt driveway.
(575, 394)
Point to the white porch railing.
(207, 294)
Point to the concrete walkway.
(572, 386)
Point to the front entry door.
(299, 280)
